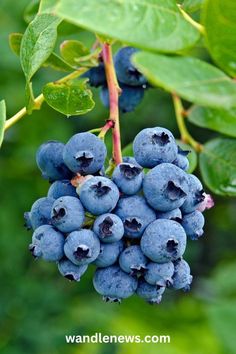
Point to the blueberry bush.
(124, 208)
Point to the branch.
(184, 133)
(40, 99)
(114, 91)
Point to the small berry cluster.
(131, 81)
(132, 226)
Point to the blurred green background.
(37, 306)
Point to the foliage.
(169, 29)
(35, 315)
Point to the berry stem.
(114, 91)
(184, 133)
(109, 124)
(40, 99)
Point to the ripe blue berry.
(109, 253)
(71, 271)
(109, 228)
(181, 160)
(193, 224)
(163, 241)
(82, 247)
(47, 243)
(182, 278)
(114, 284)
(130, 159)
(128, 178)
(159, 274)
(125, 70)
(49, 158)
(67, 214)
(85, 153)
(135, 214)
(153, 146)
(99, 195)
(96, 75)
(174, 214)
(151, 293)
(40, 213)
(61, 189)
(133, 261)
(129, 98)
(166, 187)
(195, 196)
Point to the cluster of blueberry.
(132, 226)
(131, 81)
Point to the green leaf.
(47, 6)
(218, 166)
(220, 120)
(219, 20)
(69, 98)
(190, 78)
(57, 63)
(15, 42)
(192, 156)
(37, 43)
(54, 61)
(192, 5)
(155, 25)
(2, 119)
(72, 50)
(31, 11)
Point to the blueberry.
(182, 278)
(193, 224)
(114, 284)
(99, 195)
(109, 228)
(129, 98)
(130, 159)
(61, 189)
(135, 214)
(96, 75)
(163, 241)
(166, 187)
(47, 243)
(125, 70)
(133, 261)
(85, 153)
(153, 146)
(67, 214)
(159, 274)
(174, 214)
(82, 247)
(50, 161)
(128, 178)
(151, 293)
(40, 213)
(195, 196)
(181, 160)
(109, 253)
(71, 271)
(27, 224)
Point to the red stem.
(114, 91)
